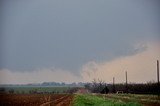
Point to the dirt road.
(65, 100)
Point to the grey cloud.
(68, 34)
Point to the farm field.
(35, 99)
(27, 90)
(78, 100)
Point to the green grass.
(145, 99)
(93, 100)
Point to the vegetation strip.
(93, 100)
(144, 99)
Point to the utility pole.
(114, 90)
(126, 83)
(158, 84)
(113, 80)
(158, 72)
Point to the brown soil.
(35, 99)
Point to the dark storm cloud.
(68, 34)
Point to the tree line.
(133, 88)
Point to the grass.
(93, 100)
(145, 99)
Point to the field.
(27, 90)
(35, 99)
(78, 100)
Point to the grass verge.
(93, 100)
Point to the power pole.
(126, 83)
(158, 72)
(114, 90)
(158, 84)
(113, 80)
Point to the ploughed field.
(78, 100)
(36, 99)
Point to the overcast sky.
(67, 35)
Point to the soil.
(36, 99)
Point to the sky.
(78, 40)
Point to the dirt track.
(36, 99)
(60, 101)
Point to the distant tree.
(17, 92)
(105, 90)
(2, 90)
(97, 86)
(53, 92)
(88, 86)
(22, 92)
(11, 91)
(143, 88)
(34, 91)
